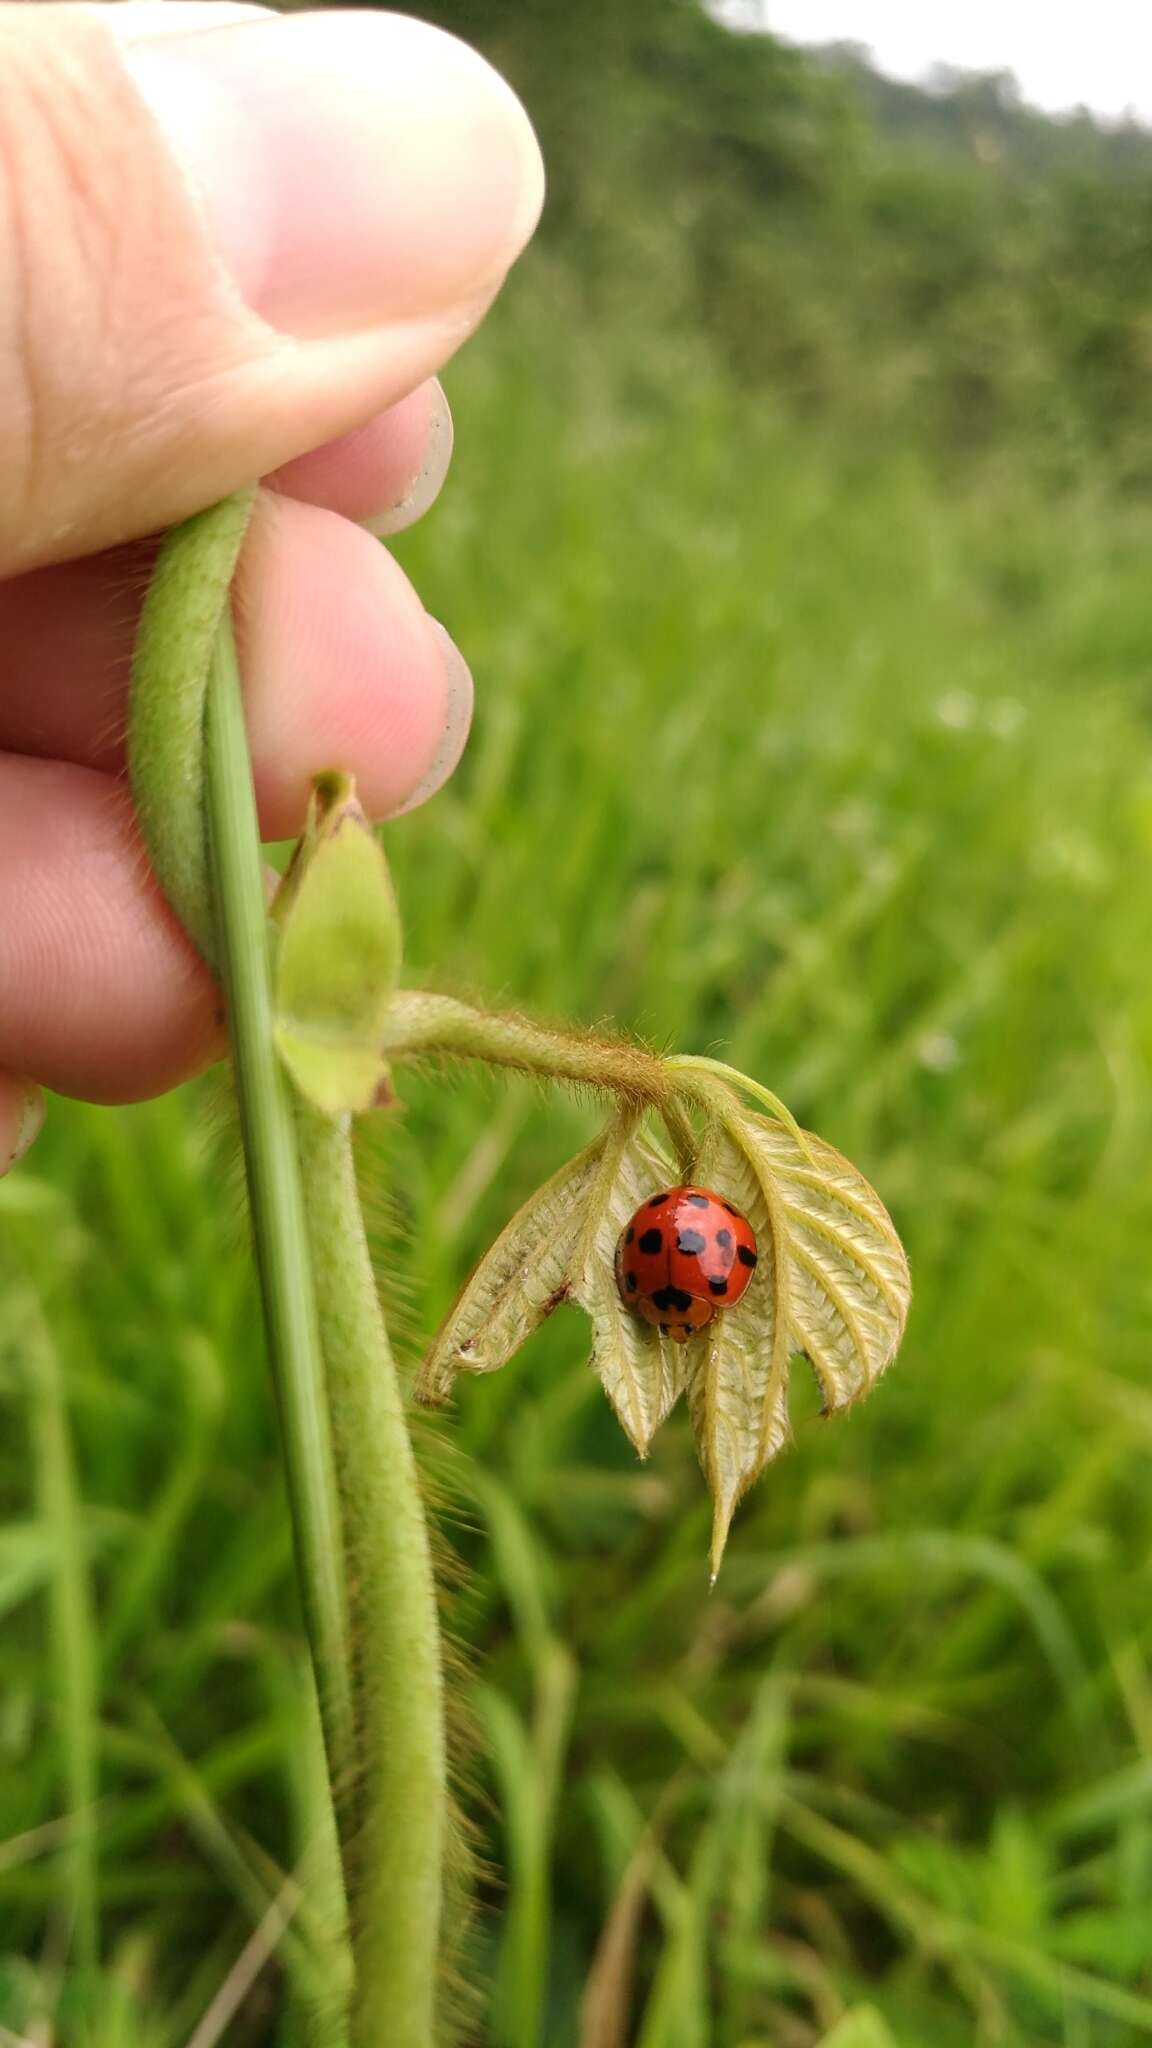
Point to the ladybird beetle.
(685, 1253)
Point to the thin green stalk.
(278, 1223)
(529, 1764)
(693, 1064)
(399, 1853)
(74, 1652)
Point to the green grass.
(798, 752)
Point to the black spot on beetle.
(652, 1241)
(745, 1255)
(697, 1201)
(724, 1240)
(718, 1284)
(629, 1234)
(630, 1282)
(672, 1297)
(691, 1241)
(658, 1200)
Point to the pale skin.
(231, 245)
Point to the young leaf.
(847, 1284)
(738, 1367)
(521, 1279)
(641, 1371)
(832, 1283)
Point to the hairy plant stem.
(420, 1024)
(276, 1195)
(361, 1543)
(75, 1656)
(186, 600)
(397, 1857)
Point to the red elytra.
(686, 1253)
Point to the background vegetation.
(799, 534)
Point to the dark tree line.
(945, 257)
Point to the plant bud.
(338, 955)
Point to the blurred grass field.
(799, 749)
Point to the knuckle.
(89, 255)
(57, 245)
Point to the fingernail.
(355, 169)
(457, 721)
(28, 1126)
(425, 486)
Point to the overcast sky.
(1062, 53)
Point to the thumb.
(227, 236)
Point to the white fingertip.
(29, 1124)
(425, 486)
(457, 724)
(139, 21)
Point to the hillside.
(945, 263)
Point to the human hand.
(232, 244)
